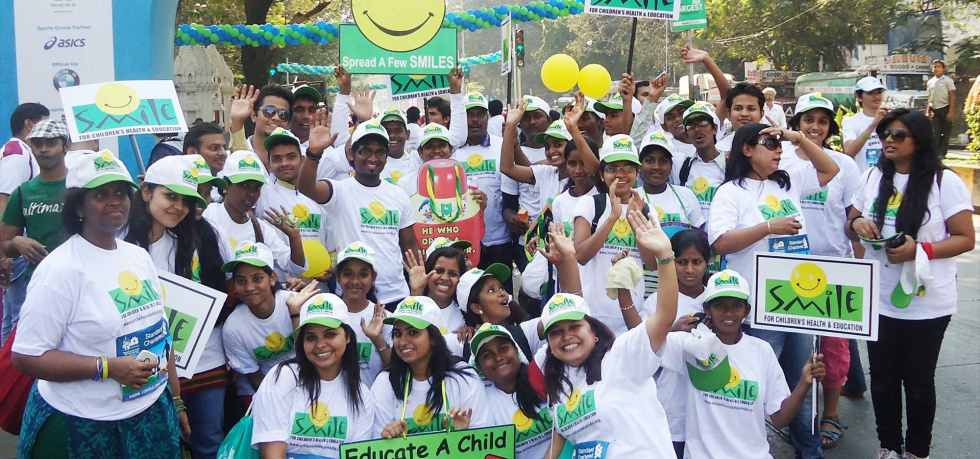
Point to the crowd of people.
(632, 221)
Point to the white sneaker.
(909, 455)
(888, 454)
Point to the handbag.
(238, 443)
(15, 387)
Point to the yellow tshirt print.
(773, 203)
(377, 209)
(319, 414)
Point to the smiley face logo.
(399, 26)
(736, 378)
(301, 212)
(396, 175)
(621, 228)
(117, 99)
(319, 414)
(808, 280)
(474, 161)
(129, 283)
(275, 341)
(895, 201)
(422, 415)
(377, 209)
(660, 213)
(700, 185)
(521, 421)
(573, 400)
(773, 203)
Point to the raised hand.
(362, 102)
(243, 106)
(414, 265)
(295, 302)
(692, 55)
(560, 246)
(627, 86)
(657, 87)
(456, 81)
(650, 236)
(375, 328)
(515, 113)
(343, 79)
(280, 219)
(320, 136)
(575, 111)
(459, 417)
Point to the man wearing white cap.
(860, 139)
(400, 161)
(307, 100)
(704, 172)
(517, 197)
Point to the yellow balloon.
(594, 81)
(317, 258)
(559, 73)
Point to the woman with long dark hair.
(436, 275)
(314, 402)
(93, 305)
(910, 193)
(425, 387)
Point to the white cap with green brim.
(243, 165)
(464, 288)
(476, 100)
(324, 309)
(280, 136)
(535, 103)
(307, 90)
(417, 311)
(394, 114)
(868, 84)
(489, 332)
(357, 250)
(706, 358)
(619, 147)
(443, 242)
(204, 174)
(433, 131)
(615, 102)
(701, 109)
(178, 174)
(672, 102)
(657, 139)
(93, 171)
(557, 130)
(808, 102)
(252, 253)
(563, 306)
(727, 283)
(369, 127)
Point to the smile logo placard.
(399, 26)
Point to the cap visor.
(710, 380)
(621, 157)
(215, 181)
(539, 139)
(499, 271)
(355, 257)
(309, 91)
(109, 178)
(604, 108)
(239, 178)
(230, 266)
(192, 192)
(686, 103)
(325, 321)
(372, 134)
(570, 315)
(411, 320)
(394, 118)
(469, 106)
(483, 338)
(440, 137)
(728, 294)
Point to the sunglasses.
(697, 124)
(269, 111)
(771, 143)
(897, 135)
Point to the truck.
(903, 75)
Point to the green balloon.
(214, 38)
(206, 33)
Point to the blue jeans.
(206, 414)
(793, 351)
(13, 297)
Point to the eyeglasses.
(897, 135)
(269, 111)
(697, 124)
(618, 169)
(366, 154)
(771, 143)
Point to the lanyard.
(445, 402)
(430, 187)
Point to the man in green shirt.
(33, 214)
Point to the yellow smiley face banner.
(398, 38)
(96, 111)
(817, 295)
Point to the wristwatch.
(665, 260)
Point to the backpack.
(685, 170)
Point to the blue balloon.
(322, 24)
(458, 20)
(275, 32)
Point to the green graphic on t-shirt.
(739, 389)
(132, 293)
(827, 301)
(576, 407)
(666, 217)
(703, 189)
(364, 352)
(528, 428)
(621, 234)
(181, 326)
(275, 345)
(893, 204)
(319, 424)
(476, 164)
(774, 208)
(376, 214)
(304, 218)
(820, 197)
(423, 421)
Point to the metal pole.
(629, 62)
(691, 87)
(136, 152)
(517, 83)
(510, 86)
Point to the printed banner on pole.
(487, 443)
(825, 296)
(506, 50)
(411, 87)
(641, 9)
(360, 54)
(694, 16)
(96, 111)
(192, 309)
(444, 207)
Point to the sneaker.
(909, 455)
(888, 454)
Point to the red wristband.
(927, 247)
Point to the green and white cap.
(658, 139)
(485, 334)
(535, 103)
(92, 171)
(442, 242)
(615, 102)
(417, 311)
(324, 309)
(707, 363)
(808, 102)
(307, 90)
(394, 114)
(370, 127)
(279, 136)
(178, 174)
(563, 306)
(466, 282)
(589, 107)
(204, 174)
(619, 147)
(476, 100)
(727, 283)
(253, 253)
(701, 109)
(434, 131)
(670, 103)
(557, 130)
(356, 250)
(243, 165)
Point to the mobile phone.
(898, 241)
(700, 316)
(148, 357)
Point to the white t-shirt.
(374, 216)
(482, 166)
(237, 233)
(564, 204)
(333, 164)
(736, 208)
(593, 273)
(675, 205)
(495, 125)
(704, 178)
(826, 210)
(312, 228)
(88, 301)
(398, 168)
(731, 422)
(724, 144)
(776, 113)
(852, 129)
(414, 137)
(621, 411)
(18, 165)
(283, 413)
(533, 436)
(529, 198)
(368, 355)
(450, 318)
(548, 183)
(939, 298)
(465, 392)
(253, 344)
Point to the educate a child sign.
(487, 443)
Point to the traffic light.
(519, 43)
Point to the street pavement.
(957, 428)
